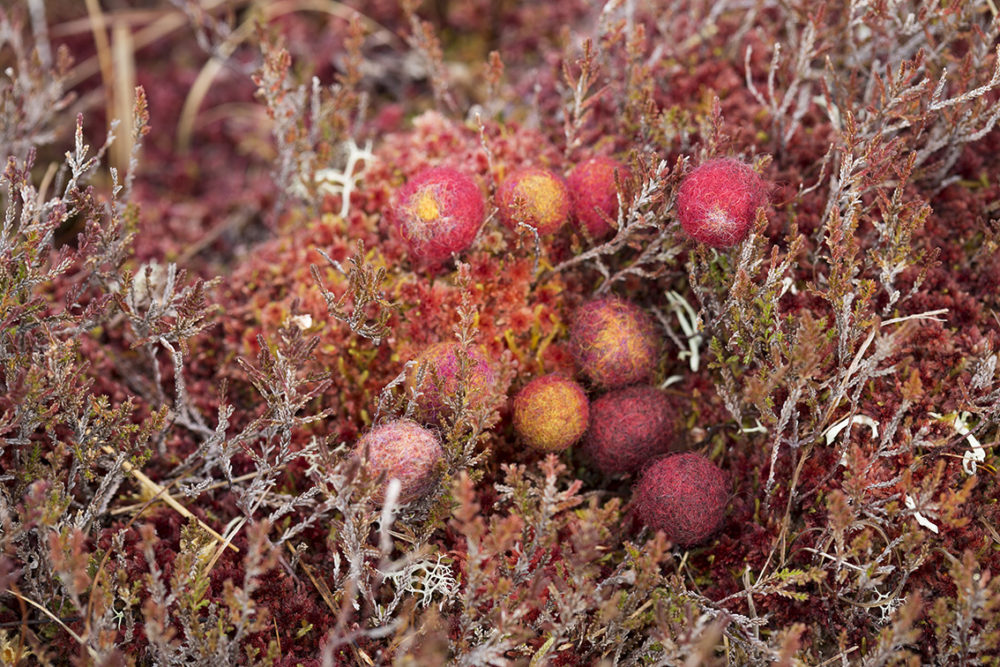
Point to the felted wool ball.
(536, 197)
(683, 495)
(628, 428)
(551, 413)
(594, 194)
(438, 212)
(403, 450)
(613, 342)
(442, 360)
(717, 202)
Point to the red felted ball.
(403, 450)
(551, 413)
(594, 194)
(536, 197)
(613, 342)
(437, 213)
(683, 495)
(441, 379)
(718, 201)
(629, 427)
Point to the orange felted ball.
(551, 413)
(536, 197)
(614, 342)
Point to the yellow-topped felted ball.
(536, 197)
(614, 342)
(551, 413)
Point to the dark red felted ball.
(536, 197)
(628, 428)
(551, 413)
(441, 379)
(718, 201)
(403, 450)
(438, 212)
(594, 194)
(683, 495)
(613, 342)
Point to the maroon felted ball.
(406, 451)
(438, 212)
(536, 197)
(629, 427)
(718, 201)
(613, 342)
(683, 495)
(594, 194)
(550, 413)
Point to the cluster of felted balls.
(631, 426)
(439, 211)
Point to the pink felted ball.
(536, 197)
(717, 202)
(551, 413)
(613, 342)
(683, 495)
(403, 450)
(594, 194)
(438, 212)
(628, 428)
(442, 360)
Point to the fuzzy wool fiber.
(683, 495)
(438, 212)
(403, 450)
(628, 428)
(441, 379)
(613, 342)
(537, 197)
(551, 413)
(717, 202)
(594, 194)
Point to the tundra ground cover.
(205, 305)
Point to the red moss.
(437, 213)
(550, 413)
(536, 197)
(683, 495)
(614, 342)
(594, 194)
(629, 427)
(441, 379)
(403, 450)
(717, 202)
